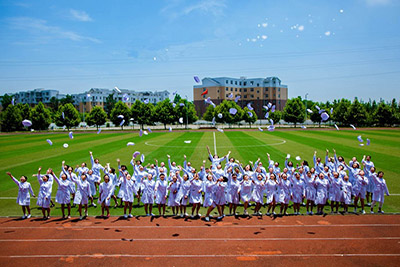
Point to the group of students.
(213, 187)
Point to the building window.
(258, 91)
(251, 82)
(266, 96)
(204, 96)
(258, 84)
(258, 98)
(226, 89)
(266, 89)
(240, 90)
(227, 95)
(244, 83)
(218, 91)
(279, 89)
(235, 82)
(240, 83)
(231, 82)
(245, 90)
(279, 96)
(226, 81)
(252, 89)
(235, 89)
(231, 89)
(252, 96)
(245, 96)
(279, 102)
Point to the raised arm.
(13, 178)
(169, 162)
(55, 177)
(91, 158)
(39, 176)
(184, 162)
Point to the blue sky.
(329, 49)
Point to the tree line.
(65, 114)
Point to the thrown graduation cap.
(187, 141)
(260, 129)
(146, 101)
(337, 128)
(140, 132)
(233, 111)
(309, 110)
(331, 111)
(267, 115)
(230, 95)
(269, 105)
(63, 115)
(359, 138)
(303, 127)
(354, 127)
(125, 98)
(196, 79)
(324, 116)
(288, 156)
(250, 114)
(142, 158)
(212, 103)
(148, 129)
(220, 115)
(271, 128)
(271, 121)
(181, 120)
(249, 106)
(99, 131)
(120, 116)
(213, 120)
(71, 136)
(273, 108)
(13, 101)
(27, 123)
(145, 133)
(265, 107)
(182, 104)
(49, 141)
(174, 93)
(130, 144)
(220, 130)
(237, 98)
(298, 158)
(173, 105)
(122, 123)
(170, 129)
(368, 142)
(361, 144)
(317, 107)
(135, 154)
(65, 145)
(117, 89)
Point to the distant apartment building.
(84, 102)
(97, 97)
(257, 91)
(33, 97)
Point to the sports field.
(22, 154)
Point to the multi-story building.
(257, 91)
(97, 97)
(33, 97)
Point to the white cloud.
(79, 15)
(176, 9)
(378, 2)
(40, 27)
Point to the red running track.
(369, 240)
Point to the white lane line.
(200, 239)
(198, 256)
(201, 226)
(215, 144)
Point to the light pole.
(187, 121)
(306, 108)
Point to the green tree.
(120, 108)
(11, 119)
(275, 116)
(71, 116)
(165, 112)
(247, 118)
(227, 117)
(54, 104)
(209, 114)
(109, 104)
(67, 99)
(340, 112)
(6, 100)
(25, 110)
(97, 116)
(186, 111)
(294, 111)
(177, 98)
(383, 115)
(357, 115)
(40, 117)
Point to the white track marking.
(199, 239)
(198, 256)
(201, 226)
(215, 144)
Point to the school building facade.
(257, 91)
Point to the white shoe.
(245, 212)
(28, 216)
(86, 214)
(130, 216)
(219, 218)
(207, 219)
(23, 217)
(181, 215)
(94, 205)
(363, 211)
(152, 214)
(125, 216)
(267, 213)
(192, 216)
(147, 215)
(81, 218)
(308, 213)
(355, 210)
(274, 213)
(372, 212)
(381, 211)
(187, 215)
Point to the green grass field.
(22, 154)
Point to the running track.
(368, 240)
